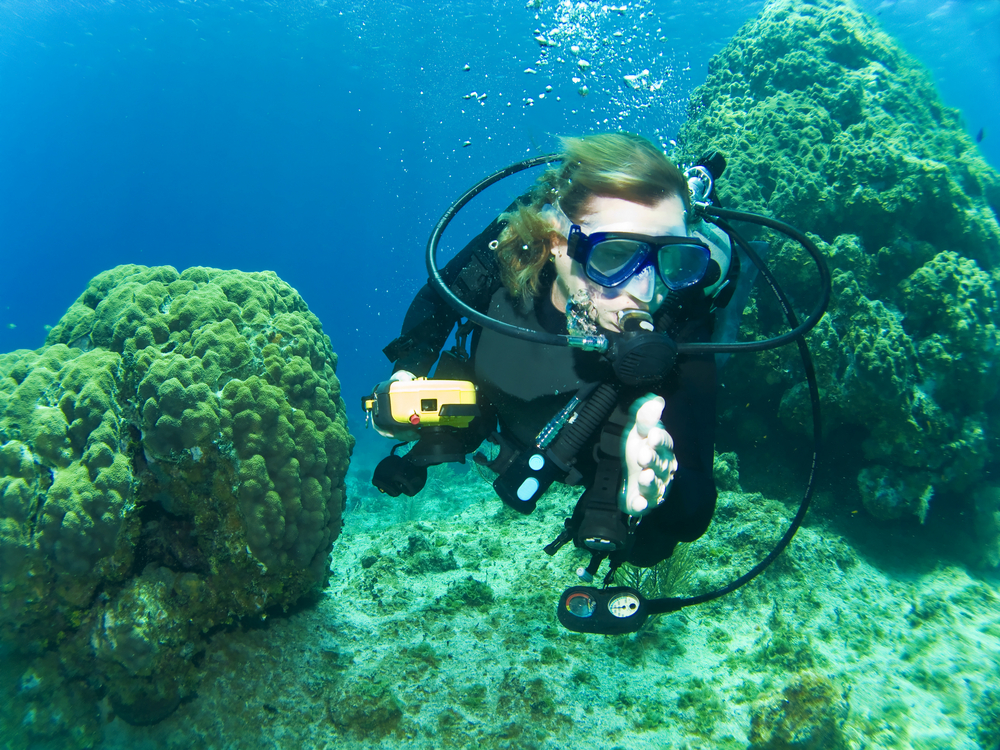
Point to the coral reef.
(173, 459)
(828, 125)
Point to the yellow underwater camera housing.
(421, 403)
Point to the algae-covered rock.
(172, 459)
(828, 125)
(807, 715)
(987, 504)
(887, 493)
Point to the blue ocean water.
(322, 140)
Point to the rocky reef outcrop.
(829, 125)
(171, 460)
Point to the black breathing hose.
(553, 339)
(718, 216)
(661, 606)
(448, 296)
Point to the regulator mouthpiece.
(635, 320)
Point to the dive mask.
(626, 261)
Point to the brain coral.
(173, 458)
(828, 125)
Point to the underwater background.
(312, 146)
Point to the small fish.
(980, 135)
(466, 144)
(11, 326)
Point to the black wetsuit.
(524, 384)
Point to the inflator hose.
(594, 412)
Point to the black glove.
(407, 475)
(396, 476)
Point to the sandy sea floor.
(438, 630)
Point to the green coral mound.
(172, 459)
(828, 125)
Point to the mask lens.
(613, 261)
(682, 265)
(642, 285)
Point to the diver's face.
(607, 214)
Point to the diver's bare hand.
(648, 457)
(400, 432)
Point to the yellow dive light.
(421, 403)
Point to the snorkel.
(641, 354)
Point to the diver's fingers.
(648, 415)
(635, 504)
(659, 439)
(648, 486)
(656, 451)
(645, 455)
(663, 466)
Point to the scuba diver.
(591, 304)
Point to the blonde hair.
(618, 165)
